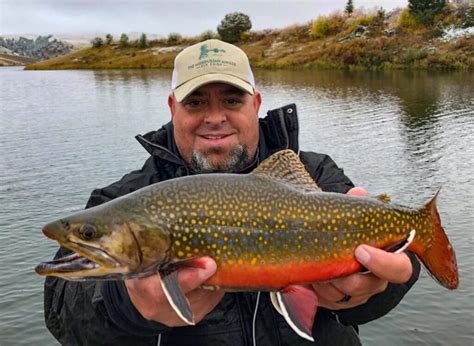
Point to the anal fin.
(176, 297)
(298, 306)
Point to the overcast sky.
(186, 17)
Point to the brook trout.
(270, 230)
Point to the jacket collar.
(278, 131)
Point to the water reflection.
(418, 106)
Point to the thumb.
(191, 278)
(395, 268)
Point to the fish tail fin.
(439, 257)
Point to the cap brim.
(187, 88)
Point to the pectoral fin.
(298, 306)
(176, 297)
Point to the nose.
(215, 116)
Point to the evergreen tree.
(349, 8)
(469, 19)
(425, 10)
(123, 40)
(108, 39)
(142, 42)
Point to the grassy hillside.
(336, 42)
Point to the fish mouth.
(86, 262)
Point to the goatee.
(238, 159)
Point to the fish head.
(104, 247)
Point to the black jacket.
(101, 313)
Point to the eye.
(87, 232)
(194, 103)
(233, 101)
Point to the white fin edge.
(289, 321)
(275, 303)
(175, 308)
(408, 241)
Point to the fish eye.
(87, 232)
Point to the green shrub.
(233, 25)
(365, 20)
(408, 23)
(320, 27)
(174, 37)
(97, 42)
(207, 35)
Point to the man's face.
(216, 127)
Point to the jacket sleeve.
(91, 312)
(331, 178)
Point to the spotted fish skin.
(271, 235)
(266, 230)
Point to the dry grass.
(295, 47)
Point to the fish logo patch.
(204, 51)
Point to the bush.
(233, 25)
(123, 40)
(365, 20)
(320, 27)
(407, 22)
(97, 42)
(207, 35)
(174, 37)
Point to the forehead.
(217, 89)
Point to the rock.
(391, 32)
(41, 48)
(359, 31)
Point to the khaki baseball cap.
(209, 62)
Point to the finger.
(328, 291)
(191, 278)
(361, 285)
(389, 266)
(357, 191)
(202, 301)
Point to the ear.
(257, 101)
(172, 104)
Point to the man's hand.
(356, 289)
(149, 299)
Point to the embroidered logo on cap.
(205, 51)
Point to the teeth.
(214, 137)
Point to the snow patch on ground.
(452, 33)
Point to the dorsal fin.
(384, 198)
(285, 167)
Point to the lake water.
(63, 133)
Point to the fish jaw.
(87, 262)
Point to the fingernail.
(362, 255)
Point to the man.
(215, 128)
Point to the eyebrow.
(226, 92)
